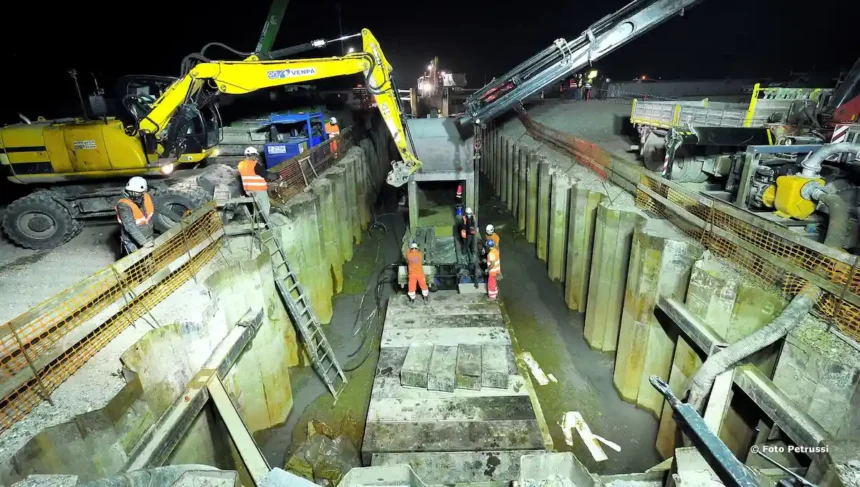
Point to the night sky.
(716, 39)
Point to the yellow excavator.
(179, 127)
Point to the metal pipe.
(812, 165)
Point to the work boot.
(411, 301)
(426, 300)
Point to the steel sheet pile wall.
(45, 345)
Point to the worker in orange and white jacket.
(254, 185)
(134, 212)
(332, 130)
(415, 271)
(494, 269)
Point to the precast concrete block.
(613, 237)
(337, 175)
(416, 366)
(522, 189)
(510, 167)
(494, 366)
(532, 201)
(350, 165)
(685, 364)
(469, 367)
(820, 373)
(302, 241)
(660, 263)
(582, 216)
(324, 189)
(558, 219)
(733, 303)
(504, 181)
(545, 172)
(442, 375)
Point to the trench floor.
(311, 399)
(543, 325)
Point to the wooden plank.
(251, 455)
(719, 401)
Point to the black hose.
(837, 222)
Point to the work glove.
(148, 244)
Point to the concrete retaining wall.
(318, 229)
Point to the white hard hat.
(490, 229)
(251, 151)
(136, 184)
(468, 211)
(414, 245)
(333, 121)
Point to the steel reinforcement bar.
(45, 345)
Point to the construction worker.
(255, 185)
(415, 270)
(494, 269)
(332, 130)
(134, 212)
(467, 231)
(492, 235)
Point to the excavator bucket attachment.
(400, 172)
(443, 149)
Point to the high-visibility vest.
(414, 262)
(494, 264)
(250, 180)
(141, 217)
(332, 131)
(495, 238)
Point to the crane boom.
(169, 116)
(271, 26)
(563, 57)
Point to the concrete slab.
(443, 366)
(452, 436)
(451, 408)
(409, 420)
(494, 366)
(446, 468)
(388, 387)
(416, 366)
(445, 336)
(450, 321)
(469, 367)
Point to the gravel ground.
(568, 117)
(28, 277)
(100, 379)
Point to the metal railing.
(296, 174)
(45, 345)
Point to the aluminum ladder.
(298, 304)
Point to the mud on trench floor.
(544, 326)
(311, 399)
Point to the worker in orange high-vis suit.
(134, 212)
(254, 185)
(415, 271)
(332, 130)
(494, 269)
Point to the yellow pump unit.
(787, 197)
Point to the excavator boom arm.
(563, 57)
(251, 74)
